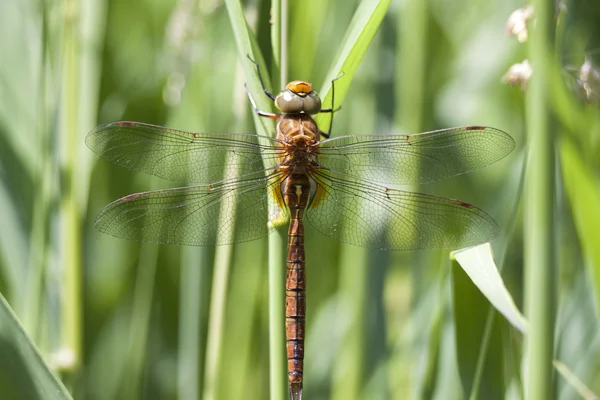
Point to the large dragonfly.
(343, 186)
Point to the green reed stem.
(28, 307)
(412, 65)
(277, 240)
(540, 263)
(70, 215)
(277, 355)
(483, 350)
(349, 368)
(413, 51)
(216, 322)
(139, 329)
(194, 263)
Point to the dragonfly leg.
(331, 110)
(256, 109)
(262, 83)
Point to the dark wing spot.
(131, 197)
(125, 123)
(463, 204)
(475, 128)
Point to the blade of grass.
(276, 257)
(480, 367)
(193, 284)
(24, 375)
(218, 302)
(412, 65)
(540, 264)
(478, 263)
(581, 388)
(308, 40)
(360, 33)
(139, 329)
(277, 244)
(39, 243)
(582, 191)
(246, 47)
(214, 341)
(348, 379)
(277, 357)
(70, 215)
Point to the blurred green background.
(123, 320)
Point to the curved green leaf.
(23, 373)
(582, 191)
(479, 264)
(360, 33)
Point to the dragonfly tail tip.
(295, 391)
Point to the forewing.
(354, 211)
(223, 213)
(181, 156)
(420, 158)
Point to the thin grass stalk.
(70, 215)
(412, 65)
(356, 280)
(29, 309)
(195, 261)
(483, 349)
(283, 61)
(214, 341)
(540, 263)
(277, 356)
(276, 27)
(410, 91)
(218, 307)
(277, 240)
(93, 31)
(193, 277)
(139, 329)
(348, 379)
(276, 247)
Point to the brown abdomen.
(296, 194)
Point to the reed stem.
(277, 240)
(70, 213)
(540, 263)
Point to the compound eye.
(289, 102)
(312, 103)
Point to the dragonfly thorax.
(298, 135)
(298, 97)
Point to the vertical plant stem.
(349, 370)
(70, 215)
(540, 264)
(277, 240)
(277, 358)
(412, 65)
(216, 321)
(276, 35)
(218, 299)
(139, 330)
(411, 96)
(283, 61)
(483, 349)
(194, 263)
(29, 309)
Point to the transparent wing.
(223, 213)
(181, 156)
(354, 211)
(420, 158)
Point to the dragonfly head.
(298, 97)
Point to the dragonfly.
(346, 187)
